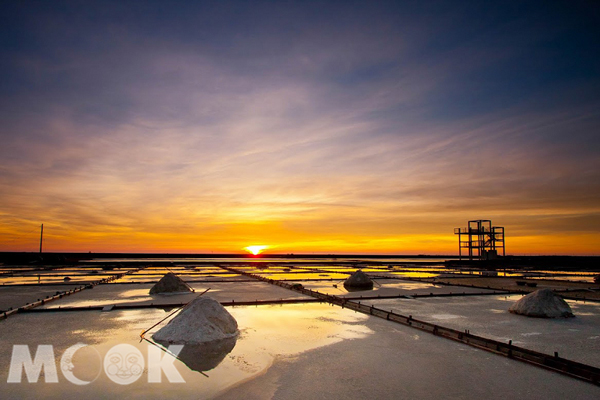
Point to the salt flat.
(310, 350)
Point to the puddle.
(415, 274)
(292, 329)
(407, 285)
(337, 287)
(267, 333)
(306, 275)
(445, 316)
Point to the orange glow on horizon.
(282, 239)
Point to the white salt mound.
(358, 280)
(203, 320)
(170, 283)
(543, 303)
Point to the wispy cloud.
(372, 126)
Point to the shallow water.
(267, 333)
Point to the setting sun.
(255, 249)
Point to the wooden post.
(41, 237)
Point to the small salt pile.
(543, 303)
(358, 280)
(170, 283)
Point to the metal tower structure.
(483, 240)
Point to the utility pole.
(41, 238)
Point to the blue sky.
(368, 126)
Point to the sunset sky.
(308, 127)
